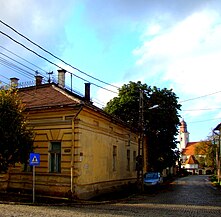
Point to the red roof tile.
(47, 95)
(191, 160)
(190, 148)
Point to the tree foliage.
(16, 139)
(207, 150)
(160, 124)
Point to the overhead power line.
(56, 56)
(200, 109)
(200, 97)
(40, 47)
(22, 58)
(42, 98)
(14, 67)
(19, 70)
(212, 119)
(34, 52)
(18, 62)
(4, 77)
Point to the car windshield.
(151, 175)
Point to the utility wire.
(51, 61)
(200, 97)
(42, 98)
(94, 100)
(4, 77)
(18, 62)
(201, 109)
(56, 56)
(14, 67)
(13, 29)
(23, 58)
(193, 122)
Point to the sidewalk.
(16, 198)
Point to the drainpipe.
(72, 147)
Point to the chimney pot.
(87, 92)
(38, 80)
(61, 77)
(14, 82)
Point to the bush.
(213, 178)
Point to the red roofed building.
(189, 156)
(83, 150)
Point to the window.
(114, 157)
(55, 157)
(128, 160)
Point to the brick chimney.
(38, 80)
(14, 82)
(61, 77)
(87, 92)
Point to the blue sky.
(169, 44)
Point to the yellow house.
(83, 150)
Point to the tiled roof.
(47, 95)
(190, 148)
(191, 160)
(51, 95)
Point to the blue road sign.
(34, 159)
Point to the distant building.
(189, 158)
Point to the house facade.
(83, 150)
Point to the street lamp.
(153, 107)
(140, 156)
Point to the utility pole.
(218, 159)
(217, 138)
(140, 157)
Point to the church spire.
(183, 126)
(183, 135)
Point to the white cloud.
(103, 96)
(41, 22)
(188, 53)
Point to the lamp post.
(140, 156)
(218, 151)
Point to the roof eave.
(217, 127)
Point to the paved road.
(189, 196)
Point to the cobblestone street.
(188, 196)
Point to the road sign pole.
(34, 160)
(33, 184)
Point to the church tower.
(183, 135)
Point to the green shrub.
(213, 178)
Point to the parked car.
(152, 179)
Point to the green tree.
(160, 124)
(205, 153)
(16, 139)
